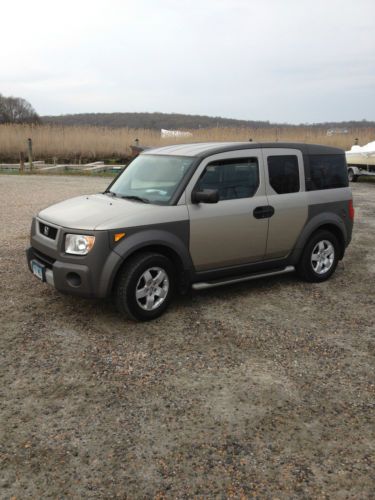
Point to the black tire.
(131, 276)
(305, 267)
(352, 176)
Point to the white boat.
(361, 161)
(361, 155)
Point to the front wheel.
(145, 286)
(319, 258)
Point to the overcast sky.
(297, 61)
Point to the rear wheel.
(352, 176)
(320, 257)
(145, 286)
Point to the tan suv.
(199, 215)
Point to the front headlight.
(79, 244)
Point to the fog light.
(74, 279)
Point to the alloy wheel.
(322, 257)
(152, 288)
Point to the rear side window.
(283, 173)
(234, 178)
(327, 172)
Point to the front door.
(228, 233)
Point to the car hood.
(101, 212)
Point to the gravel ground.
(260, 390)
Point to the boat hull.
(360, 159)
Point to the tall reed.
(87, 142)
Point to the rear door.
(227, 233)
(285, 189)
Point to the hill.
(175, 121)
(153, 121)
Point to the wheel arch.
(160, 242)
(181, 273)
(332, 224)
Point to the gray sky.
(279, 60)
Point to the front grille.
(48, 231)
(44, 259)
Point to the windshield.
(151, 178)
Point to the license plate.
(38, 270)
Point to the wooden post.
(22, 162)
(30, 151)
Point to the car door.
(227, 233)
(285, 189)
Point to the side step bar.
(230, 281)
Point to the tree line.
(154, 121)
(17, 110)
(176, 121)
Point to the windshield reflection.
(151, 178)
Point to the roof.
(203, 149)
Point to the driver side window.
(233, 178)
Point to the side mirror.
(205, 196)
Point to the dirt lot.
(263, 390)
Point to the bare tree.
(17, 110)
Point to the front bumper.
(65, 277)
(87, 276)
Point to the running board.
(230, 281)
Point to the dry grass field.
(101, 143)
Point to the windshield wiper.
(108, 191)
(135, 198)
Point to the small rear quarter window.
(326, 172)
